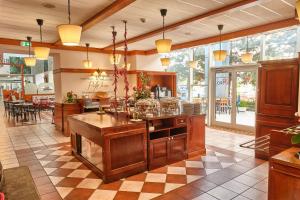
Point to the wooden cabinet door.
(158, 152)
(196, 135)
(177, 148)
(278, 88)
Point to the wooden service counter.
(114, 147)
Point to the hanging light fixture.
(298, 8)
(163, 45)
(87, 63)
(115, 60)
(247, 57)
(41, 53)
(165, 62)
(193, 63)
(220, 55)
(69, 33)
(30, 61)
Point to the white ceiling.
(17, 19)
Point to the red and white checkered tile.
(73, 180)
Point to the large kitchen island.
(114, 147)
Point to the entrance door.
(234, 101)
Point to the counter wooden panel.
(284, 176)
(123, 143)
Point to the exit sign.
(25, 43)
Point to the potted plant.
(71, 97)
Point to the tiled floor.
(226, 172)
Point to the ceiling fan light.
(69, 34)
(247, 57)
(220, 55)
(41, 53)
(193, 64)
(30, 61)
(117, 59)
(163, 45)
(165, 61)
(87, 64)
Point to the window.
(280, 44)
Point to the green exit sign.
(25, 43)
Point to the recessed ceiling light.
(48, 5)
(143, 20)
(187, 33)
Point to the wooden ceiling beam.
(228, 36)
(108, 11)
(238, 5)
(14, 42)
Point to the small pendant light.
(41, 53)
(220, 55)
(69, 33)
(30, 61)
(87, 63)
(298, 8)
(163, 45)
(165, 62)
(247, 57)
(193, 63)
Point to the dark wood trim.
(238, 5)
(228, 36)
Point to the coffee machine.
(161, 92)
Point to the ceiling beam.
(228, 36)
(108, 11)
(238, 5)
(14, 42)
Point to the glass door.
(245, 98)
(223, 97)
(234, 100)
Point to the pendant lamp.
(128, 66)
(163, 45)
(247, 57)
(298, 8)
(220, 55)
(41, 53)
(165, 62)
(117, 59)
(193, 63)
(69, 33)
(87, 63)
(30, 61)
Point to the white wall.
(149, 63)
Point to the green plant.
(295, 139)
(142, 92)
(71, 97)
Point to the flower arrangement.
(71, 97)
(142, 92)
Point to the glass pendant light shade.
(103, 74)
(247, 57)
(298, 8)
(117, 57)
(220, 55)
(69, 34)
(30, 61)
(193, 64)
(165, 61)
(41, 53)
(163, 45)
(87, 64)
(95, 74)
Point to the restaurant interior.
(140, 100)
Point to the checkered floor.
(71, 178)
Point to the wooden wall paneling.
(196, 135)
